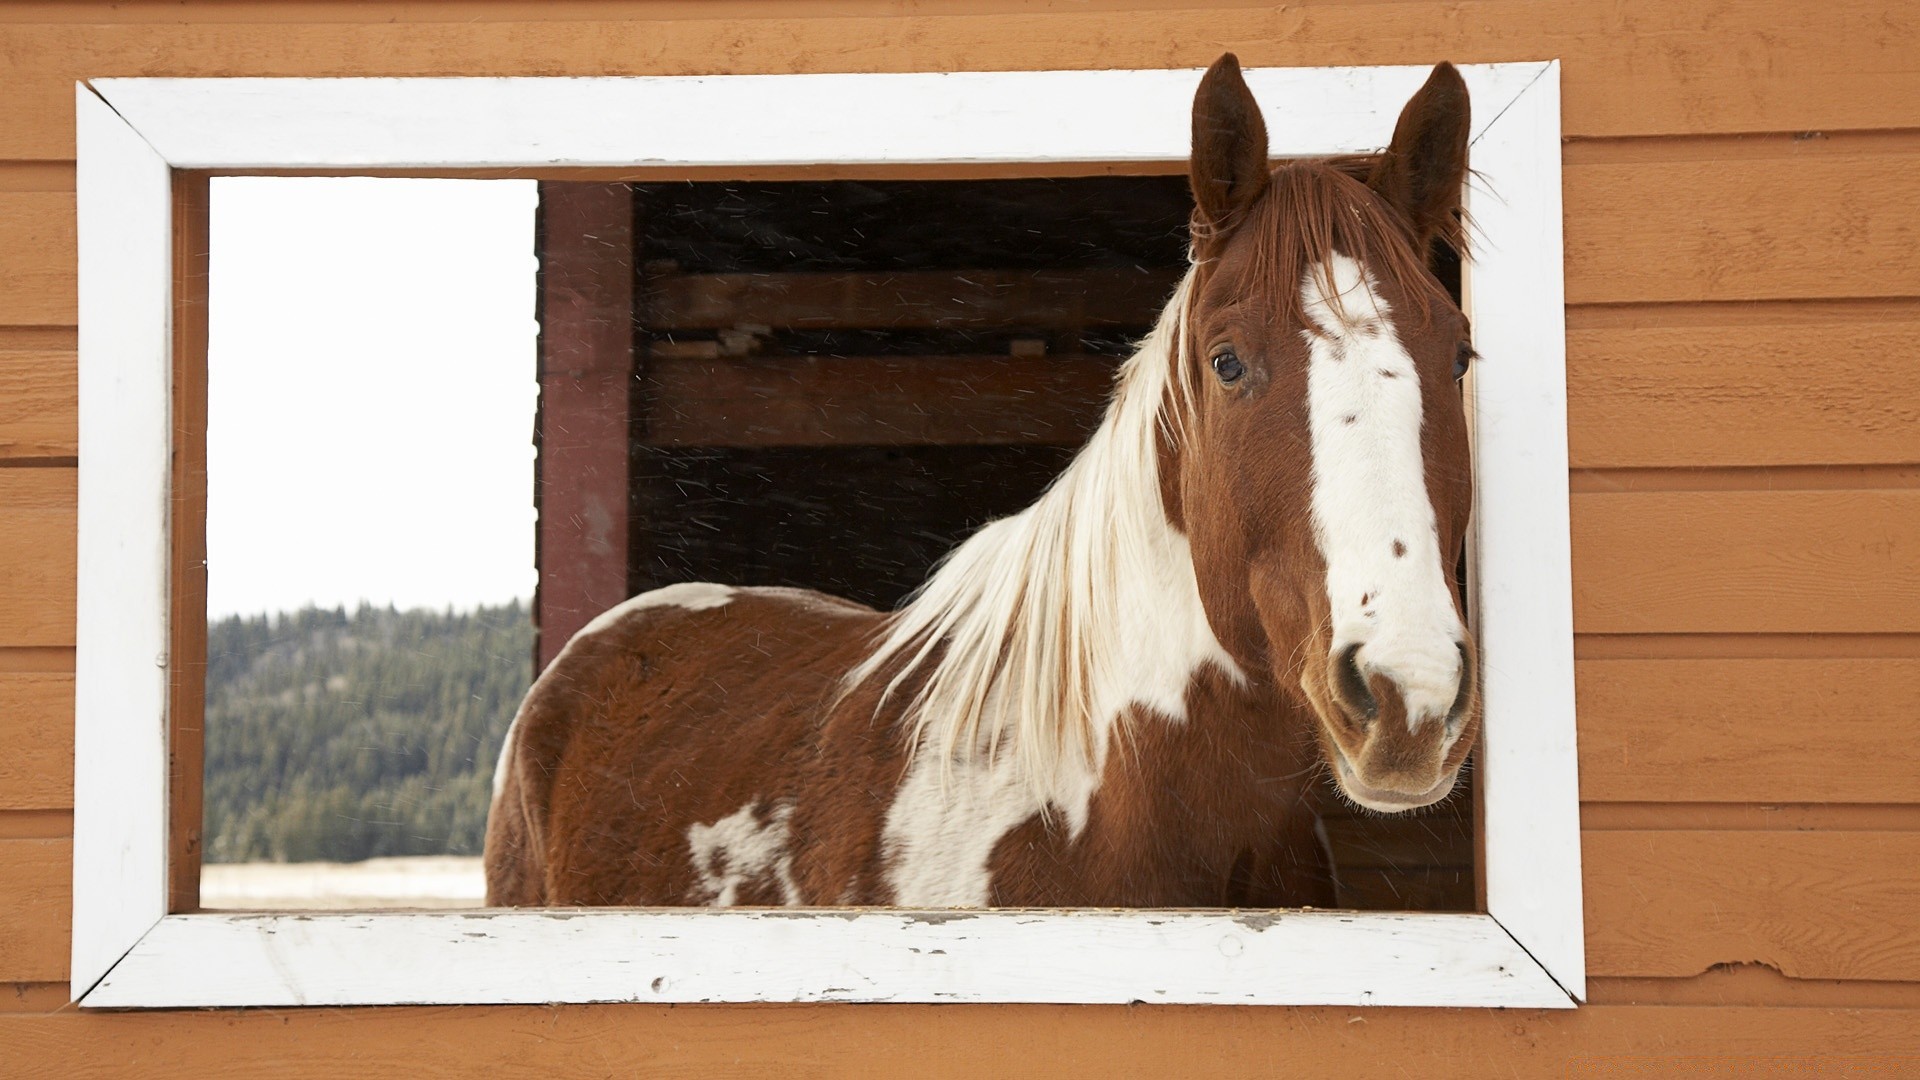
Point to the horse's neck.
(1141, 630)
(1159, 639)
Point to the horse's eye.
(1462, 358)
(1228, 366)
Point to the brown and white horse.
(1122, 695)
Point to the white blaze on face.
(1372, 515)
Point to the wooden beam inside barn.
(586, 371)
(875, 400)
(907, 299)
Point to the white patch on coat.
(740, 849)
(691, 595)
(1090, 590)
(504, 763)
(1370, 494)
(811, 600)
(944, 824)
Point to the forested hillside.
(342, 735)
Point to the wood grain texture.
(934, 1042)
(187, 572)
(36, 825)
(876, 400)
(1639, 67)
(33, 997)
(1803, 562)
(1749, 730)
(40, 339)
(1759, 392)
(1749, 817)
(36, 730)
(894, 300)
(39, 256)
(584, 423)
(1759, 229)
(1769, 478)
(1733, 646)
(38, 512)
(36, 892)
(39, 404)
(1753, 984)
(1813, 905)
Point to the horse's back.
(655, 758)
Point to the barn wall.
(1743, 208)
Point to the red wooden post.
(586, 374)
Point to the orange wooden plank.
(36, 892)
(36, 730)
(1798, 562)
(39, 257)
(848, 1042)
(42, 997)
(39, 404)
(1636, 67)
(38, 511)
(1758, 731)
(1746, 389)
(1752, 984)
(1835, 905)
(1757, 229)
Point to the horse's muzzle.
(1397, 741)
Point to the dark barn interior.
(845, 378)
(829, 384)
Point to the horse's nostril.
(1350, 686)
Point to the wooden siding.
(1701, 385)
(36, 892)
(39, 405)
(1749, 730)
(38, 513)
(36, 729)
(1742, 210)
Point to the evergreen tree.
(343, 735)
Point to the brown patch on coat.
(1213, 813)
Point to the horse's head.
(1316, 453)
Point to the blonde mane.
(1015, 639)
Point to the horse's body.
(745, 789)
(1122, 695)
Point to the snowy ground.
(434, 881)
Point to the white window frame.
(129, 951)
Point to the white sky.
(371, 389)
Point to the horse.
(1125, 695)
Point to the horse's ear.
(1424, 169)
(1229, 167)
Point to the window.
(371, 394)
(146, 136)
